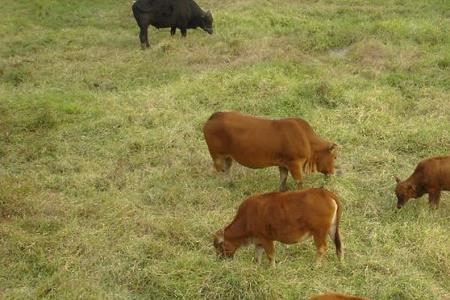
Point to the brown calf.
(291, 144)
(336, 296)
(431, 176)
(287, 217)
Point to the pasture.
(107, 190)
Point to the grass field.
(107, 190)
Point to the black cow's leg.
(173, 29)
(143, 38)
(183, 32)
(143, 21)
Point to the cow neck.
(233, 231)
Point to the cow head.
(404, 191)
(325, 159)
(224, 249)
(207, 22)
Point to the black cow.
(181, 14)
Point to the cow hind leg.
(173, 29)
(283, 178)
(321, 247)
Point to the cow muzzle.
(208, 30)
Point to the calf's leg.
(283, 178)
(268, 248)
(434, 196)
(258, 253)
(320, 240)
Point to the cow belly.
(255, 159)
(292, 237)
(255, 162)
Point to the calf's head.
(325, 159)
(404, 191)
(207, 22)
(224, 249)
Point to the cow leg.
(320, 240)
(228, 162)
(268, 248)
(183, 32)
(295, 168)
(219, 163)
(173, 29)
(258, 253)
(434, 196)
(143, 34)
(283, 178)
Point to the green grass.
(106, 185)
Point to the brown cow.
(287, 217)
(291, 144)
(336, 296)
(431, 176)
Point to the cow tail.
(337, 235)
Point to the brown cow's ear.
(397, 179)
(332, 148)
(412, 188)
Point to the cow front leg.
(173, 29)
(283, 178)
(268, 248)
(258, 253)
(143, 37)
(183, 32)
(295, 168)
(434, 196)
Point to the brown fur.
(291, 144)
(431, 176)
(336, 296)
(286, 217)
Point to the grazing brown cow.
(287, 217)
(431, 176)
(336, 296)
(291, 144)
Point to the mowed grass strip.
(107, 190)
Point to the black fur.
(181, 14)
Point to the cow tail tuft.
(337, 236)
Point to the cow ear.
(209, 14)
(412, 188)
(397, 179)
(332, 148)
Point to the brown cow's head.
(207, 22)
(224, 249)
(404, 191)
(325, 159)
